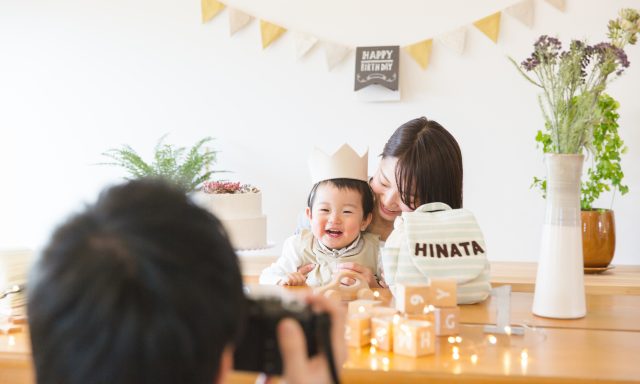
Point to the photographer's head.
(141, 287)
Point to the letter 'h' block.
(414, 338)
(411, 299)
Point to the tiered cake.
(239, 208)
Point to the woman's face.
(388, 202)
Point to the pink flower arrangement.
(227, 187)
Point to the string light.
(11, 341)
(474, 359)
(451, 339)
(492, 339)
(458, 339)
(507, 330)
(361, 309)
(376, 294)
(396, 319)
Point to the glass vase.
(559, 290)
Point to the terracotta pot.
(598, 237)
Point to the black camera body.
(258, 349)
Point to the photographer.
(144, 287)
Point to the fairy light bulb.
(361, 309)
(507, 330)
(492, 339)
(474, 359)
(376, 294)
(458, 339)
(451, 339)
(396, 319)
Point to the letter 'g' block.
(443, 293)
(446, 321)
(414, 338)
(358, 330)
(411, 299)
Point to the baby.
(339, 210)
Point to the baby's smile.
(333, 232)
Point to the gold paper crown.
(344, 163)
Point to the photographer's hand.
(298, 368)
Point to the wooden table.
(603, 347)
(620, 280)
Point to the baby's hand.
(294, 278)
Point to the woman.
(421, 163)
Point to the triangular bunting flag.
(559, 4)
(421, 52)
(237, 20)
(490, 26)
(522, 11)
(210, 8)
(303, 43)
(454, 40)
(270, 33)
(334, 53)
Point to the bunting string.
(335, 53)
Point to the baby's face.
(336, 216)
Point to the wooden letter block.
(442, 293)
(414, 338)
(361, 306)
(446, 321)
(382, 332)
(411, 299)
(358, 330)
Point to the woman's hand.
(298, 367)
(366, 273)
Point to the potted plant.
(572, 82)
(603, 174)
(188, 169)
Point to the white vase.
(559, 291)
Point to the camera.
(258, 349)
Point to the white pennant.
(522, 11)
(559, 4)
(334, 53)
(303, 43)
(237, 20)
(454, 40)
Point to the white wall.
(78, 77)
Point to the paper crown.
(344, 163)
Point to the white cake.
(240, 214)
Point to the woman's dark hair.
(429, 167)
(141, 287)
(362, 187)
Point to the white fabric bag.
(435, 241)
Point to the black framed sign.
(377, 65)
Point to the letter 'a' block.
(382, 333)
(362, 306)
(411, 299)
(443, 292)
(358, 330)
(446, 321)
(414, 338)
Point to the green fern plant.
(186, 168)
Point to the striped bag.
(435, 241)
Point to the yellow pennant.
(210, 8)
(270, 33)
(490, 26)
(421, 52)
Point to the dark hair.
(142, 287)
(362, 187)
(429, 167)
